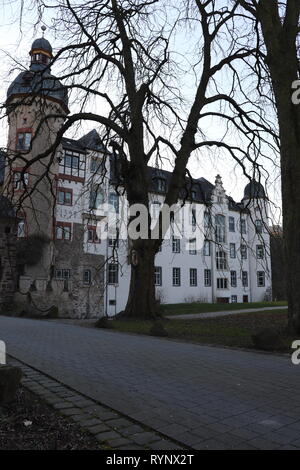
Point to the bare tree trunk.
(280, 41)
(141, 301)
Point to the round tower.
(37, 104)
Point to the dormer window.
(161, 185)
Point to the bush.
(103, 322)
(158, 329)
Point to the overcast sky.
(15, 42)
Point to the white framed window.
(96, 165)
(175, 244)
(73, 164)
(207, 221)
(220, 228)
(243, 228)
(193, 219)
(234, 299)
(231, 224)
(233, 279)
(176, 277)
(192, 246)
(114, 201)
(244, 278)
(96, 197)
(87, 277)
(232, 250)
(193, 277)
(113, 273)
(221, 260)
(206, 248)
(244, 254)
(207, 278)
(113, 242)
(260, 252)
(261, 279)
(157, 276)
(258, 226)
(222, 283)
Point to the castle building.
(67, 256)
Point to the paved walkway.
(223, 313)
(204, 397)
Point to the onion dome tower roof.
(38, 80)
(254, 190)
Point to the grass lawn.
(231, 330)
(197, 307)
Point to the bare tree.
(277, 25)
(120, 51)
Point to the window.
(192, 246)
(193, 277)
(113, 273)
(258, 226)
(114, 201)
(193, 220)
(259, 251)
(23, 140)
(206, 248)
(233, 280)
(62, 274)
(234, 299)
(243, 226)
(92, 235)
(175, 244)
(220, 228)
(73, 164)
(21, 229)
(64, 196)
(113, 242)
(155, 208)
(207, 221)
(96, 197)
(222, 283)
(245, 279)
(87, 277)
(207, 278)
(243, 252)
(260, 279)
(161, 185)
(157, 276)
(232, 250)
(63, 231)
(96, 166)
(194, 195)
(221, 261)
(20, 180)
(176, 277)
(231, 224)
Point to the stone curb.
(111, 429)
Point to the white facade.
(234, 265)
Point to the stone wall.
(7, 262)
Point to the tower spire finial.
(43, 28)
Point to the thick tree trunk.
(141, 301)
(283, 65)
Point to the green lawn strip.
(232, 330)
(197, 307)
